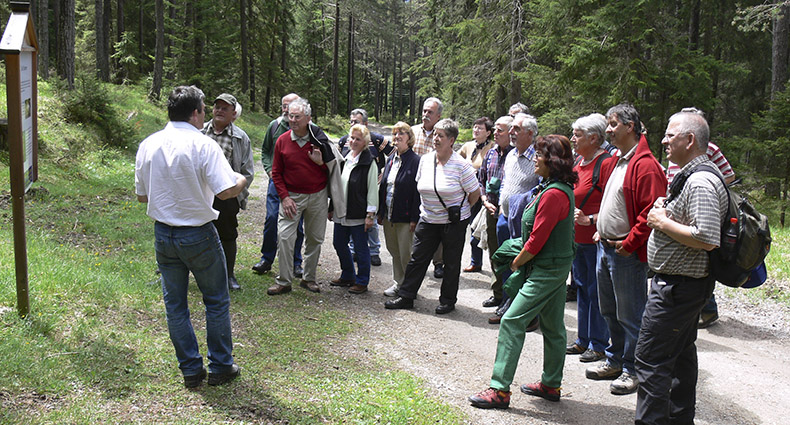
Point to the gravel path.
(741, 375)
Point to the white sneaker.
(392, 291)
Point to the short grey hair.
(520, 106)
(529, 122)
(360, 111)
(593, 124)
(693, 123)
(505, 119)
(237, 114)
(449, 127)
(439, 106)
(302, 103)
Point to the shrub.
(90, 104)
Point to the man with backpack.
(686, 225)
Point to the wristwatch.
(592, 219)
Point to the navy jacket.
(405, 198)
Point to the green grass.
(95, 346)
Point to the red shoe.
(491, 398)
(539, 390)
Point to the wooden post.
(20, 47)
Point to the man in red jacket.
(634, 180)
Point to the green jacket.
(276, 128)
(558, 248)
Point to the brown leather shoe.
(341, 282)
(278, 289)
(310, 285)
(472, 269)
(494, 320)
(358, 289)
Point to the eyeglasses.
(355, 122)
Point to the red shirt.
(293, 170)
(553, 207)
(584, 234)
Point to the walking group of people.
(540, 205)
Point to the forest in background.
(563, 58)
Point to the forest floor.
(742, 371)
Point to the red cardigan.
(293, 170)
(644, 182)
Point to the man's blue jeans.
(340, 238)
(180, 250)
(269, 245)
(593, 332)
(622, 294)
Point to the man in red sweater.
(300, 177)
(633, 180)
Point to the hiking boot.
(707, 319)
(491, 399)
(225, 377)
(192, 381)
(603, 371)
(357, 289)
(590, 356)
(310, 285)
(341, 282)
(539, 390)
(277, 289)
(574, 349)
(625, 384)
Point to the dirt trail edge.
(742, 372)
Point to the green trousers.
(543, 293)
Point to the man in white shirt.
(178, 171)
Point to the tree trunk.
(394, 108)
(43, 40)
(169, 40)
(156, 85)
(694, 25)
(244, 50)
(102, 42)
(335, 70)
(779, 50)
(120, 28)
(141, 29)
(66, 32)
(253, 106)
(350, 71)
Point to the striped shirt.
(423, 141)
(702, 205)
(492, 168)
(715, 155)
(454, 181)
(519, 175)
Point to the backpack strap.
(680, 180)
(595, 177)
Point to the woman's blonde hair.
(406, 128)
(362, 130)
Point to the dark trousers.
(227, 228)
(427, 238)
(666, 356)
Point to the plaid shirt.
(423, 143)
(493, 167)
(701, 205)
(223, 139)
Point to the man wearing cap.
(235, 145)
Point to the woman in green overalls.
(541, 260)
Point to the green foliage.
(89, 104)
